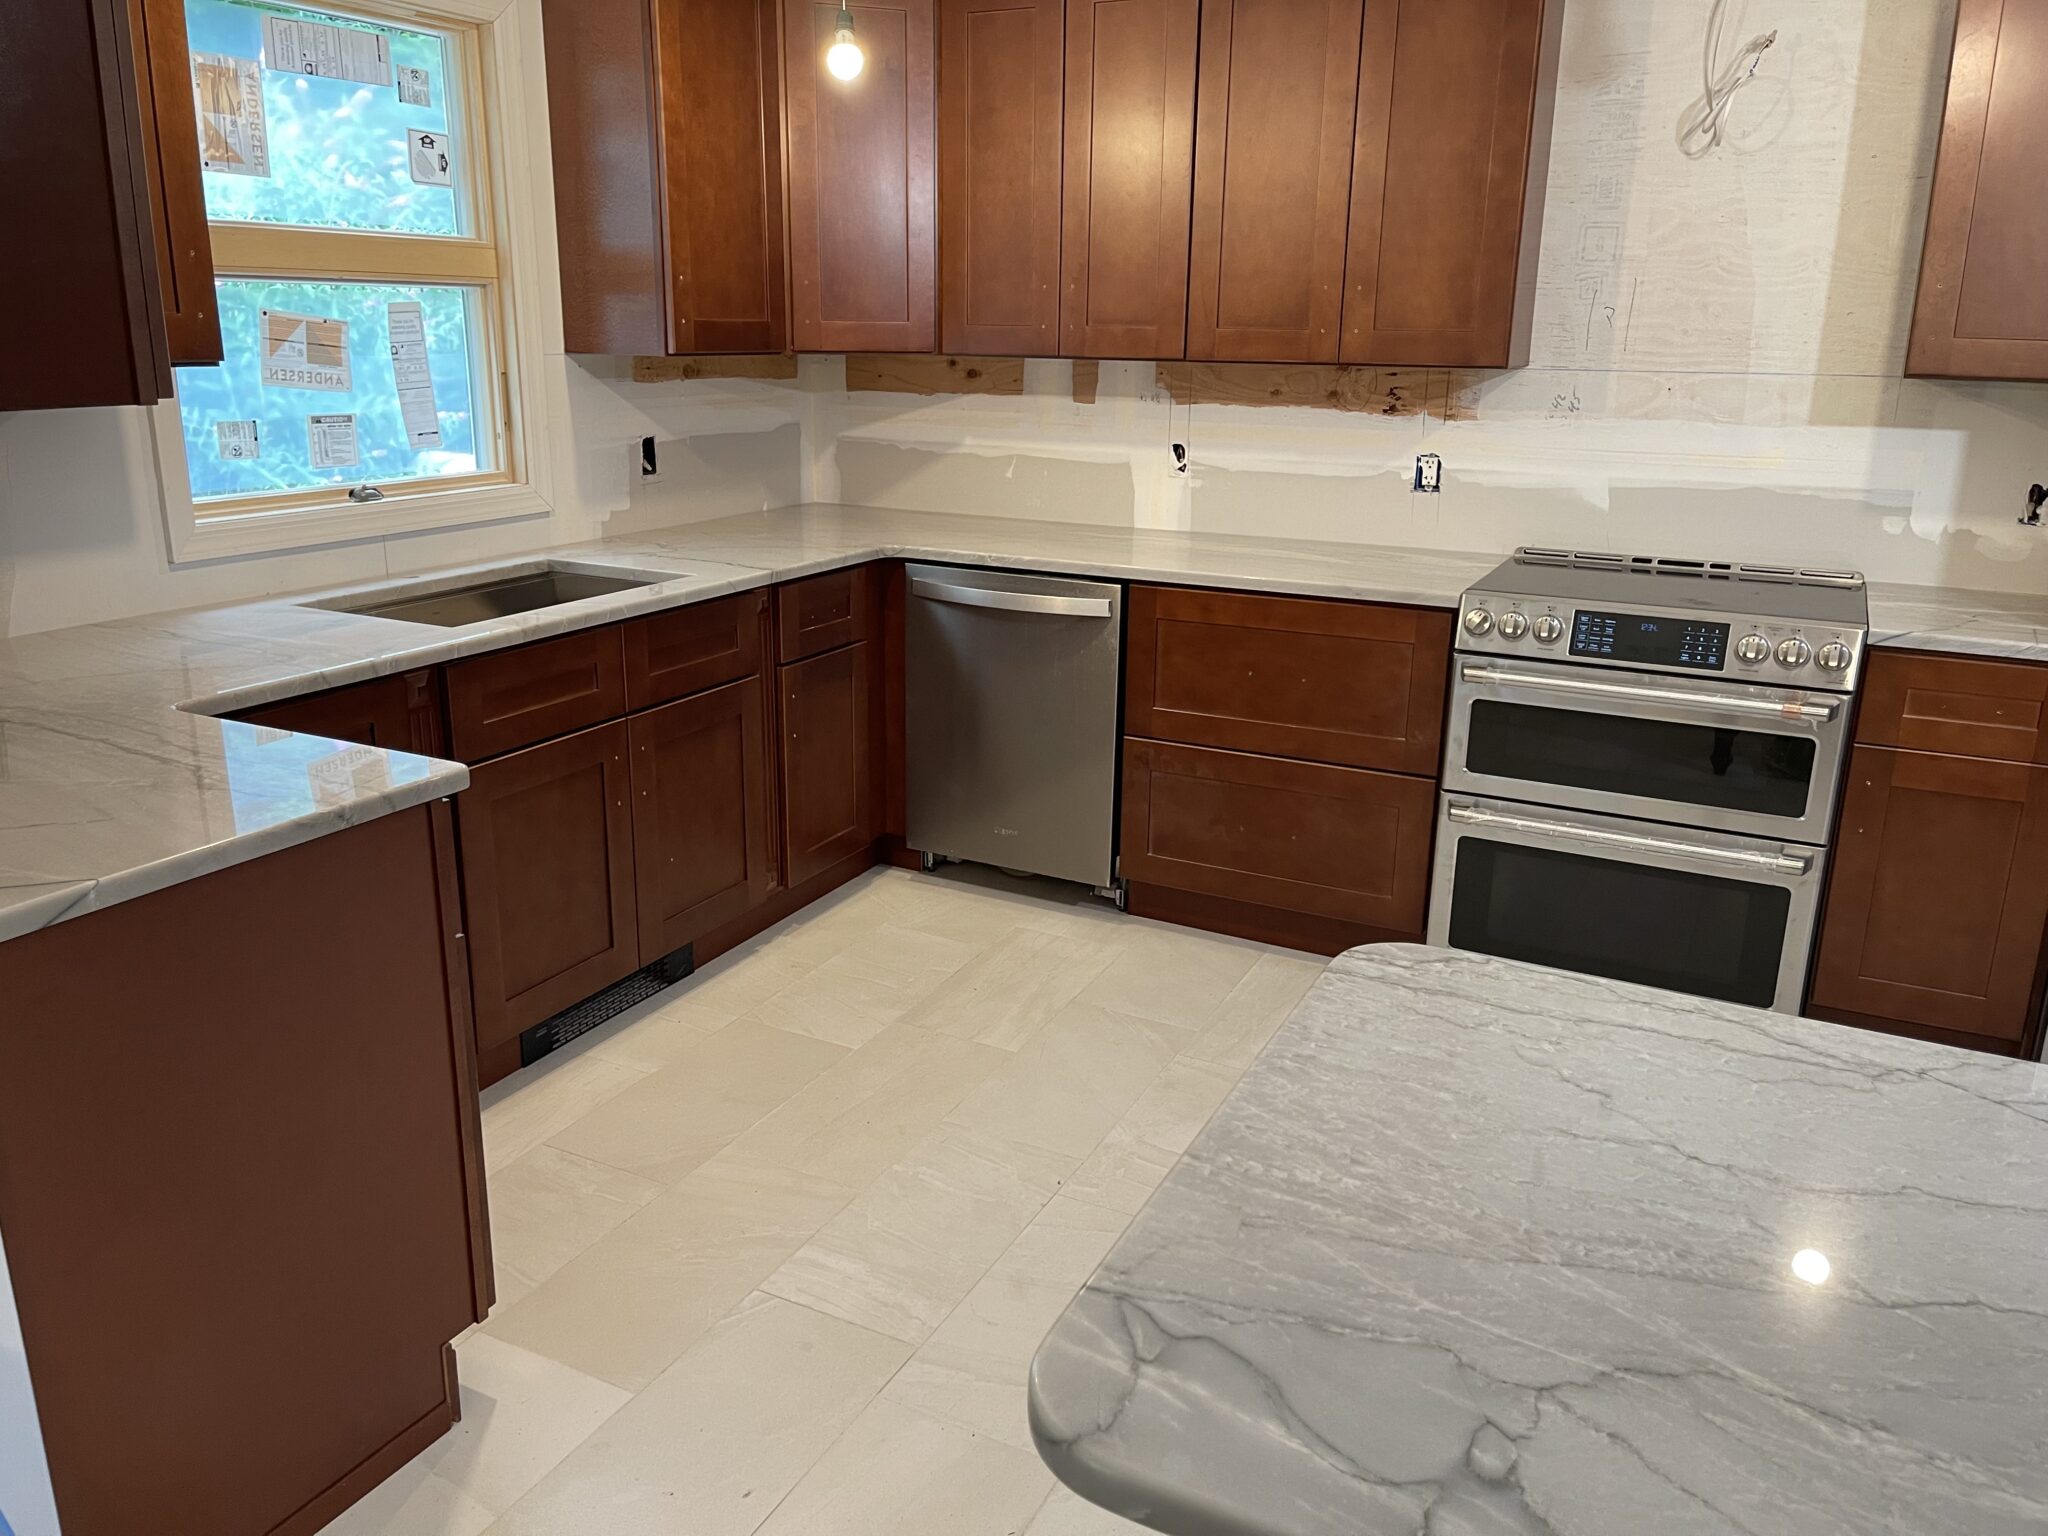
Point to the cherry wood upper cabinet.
(177, 193)
(1454, 107)
(1273, 149)
(667, 130)
(863, 209)
(85, 158)
(1982, 312)
(1000, 73)
(1130, 140)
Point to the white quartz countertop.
(116, 780)
(1484, 1248)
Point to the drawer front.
(822, 613)
(687, 650)
(1955, 704)
(1356, 684)
(512, 699)
(399, 713)
(1342, 843)
(1939, 895)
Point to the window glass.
(315, 118)
(331, 383)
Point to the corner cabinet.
(863, 180)
(666, 118)
(1937, 902)
(1982, 309)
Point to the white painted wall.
(1716, 361)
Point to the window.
(363, 303)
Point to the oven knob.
(1794, 652)
(1752, 649)
(1513, 626)
(1478, 621)
(1834, 657)
(1548, 628)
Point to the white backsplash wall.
(1715, 366)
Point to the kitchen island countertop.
(1484, 1249)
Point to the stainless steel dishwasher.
(1012, 720)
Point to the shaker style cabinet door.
(863, 182)
(1982, 312)
(828, 801)
(1000, 71)
(1130, 139)
(1939, 895)
(1452, 147)
(177, 195)
(1273, 146)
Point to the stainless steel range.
(1641, 768)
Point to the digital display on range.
(1657, 642)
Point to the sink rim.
(357, 602)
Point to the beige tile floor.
(775, 1248)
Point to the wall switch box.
(644, 457)
(1429, 472)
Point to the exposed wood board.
(1441, 392)
(918, 375)
(1087, 379)
(658, 370)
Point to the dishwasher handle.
(1011, 602)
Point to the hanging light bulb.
(844, 58)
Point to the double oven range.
(1641, 767)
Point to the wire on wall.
(1699, 130)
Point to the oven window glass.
(1722, 766)
(1702, 934)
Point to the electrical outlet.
(646, 461)
(1180, 458)
(1429, 473)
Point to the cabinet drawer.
(399, 713)
(687, 650)
(1355, 684)
(1341, 843)
(511, 699)
(1955, 704)
(822, 613)
(1939, 895)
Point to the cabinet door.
(863, 215)
(1298, 837)
(828, 810)
(547, 875)
(1982, 312)
(401, 713)
(719, 64)
(702, 850)
(508, 699)
(1452, 147)
(822, 613)
(999, 175)
(170, 142)
(1939, 895)
(1130, 150)
(686, 650)
(1273, 143)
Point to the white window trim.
(509, 41)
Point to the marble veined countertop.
(117, 780)
(1479, 1248)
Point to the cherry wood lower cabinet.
(547, 864)
(1938, 900)
(243, 1184)
(702, 833)
(828, 781)
(400, 713)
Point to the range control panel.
(1758, 650)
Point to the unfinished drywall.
(1716, 356)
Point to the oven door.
(1736, 757)
(1701, 912)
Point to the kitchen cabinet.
(863, 180)
(1273, 147)
(1982, 308)
(687, 650)
(97, 120)
(1938, 898)
(828, 799)
(702, 832)
(1000, 102)
(401, 713)
(1128, 195)
(666, 122)
(508, 699)
(547, 862)
(1452, 149)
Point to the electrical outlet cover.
(1429, 473)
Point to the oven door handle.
(1734, 703)
(1633, 842)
